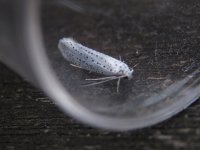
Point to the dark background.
(29, 120)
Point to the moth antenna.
(99, 82)
(105, 78)
(103, 81)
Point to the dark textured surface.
(28, 120)
(162, 37)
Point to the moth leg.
(76, 66)
(135, 65)
(118, 83)
(120, 58)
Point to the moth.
(94, 61)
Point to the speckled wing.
(89, 59)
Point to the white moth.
(89, 59)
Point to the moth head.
(129, 73)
